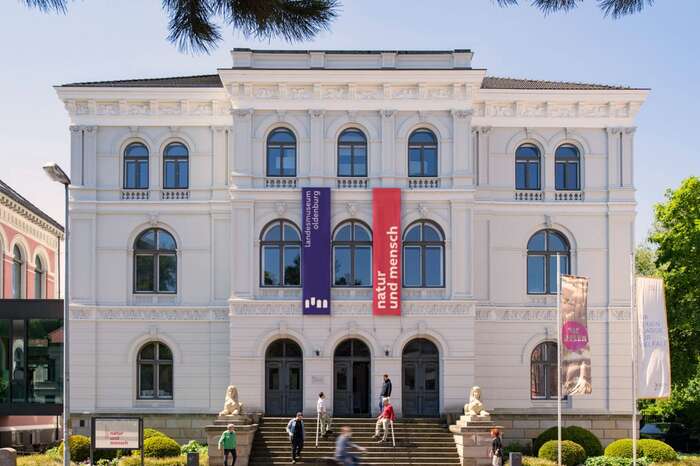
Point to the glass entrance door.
(283, 379)
(420, 381)
(351, 368)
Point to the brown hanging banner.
(576, 350)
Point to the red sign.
(386, 251)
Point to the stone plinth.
(8, 457)
(246, 425)
(472, 436)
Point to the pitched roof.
(205, 80)
(18, 198)
(492, 82)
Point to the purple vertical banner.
(316, 250)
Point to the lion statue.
(232, 406)
(475, 407)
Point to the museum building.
(188, 235)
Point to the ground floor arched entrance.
(351, 379)
(420, 366)
(283, 378)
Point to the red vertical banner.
(386, 251)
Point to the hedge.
(576, 434)
(616, 461)
(79, 448)
(656, 450)
(160, 447)
(572, 454)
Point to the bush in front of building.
(194, 446)
(533, 461)
(576, 434)
(39, 460)
(148, 433)
(616, 461)
(572, 454)
(160, 447)
(656, 450)
(136, 461)
(517, 447)
(79, 448)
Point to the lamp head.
(54, 171)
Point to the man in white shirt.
(323, 418)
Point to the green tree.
(645, 261)
(193, 23)
(613, 8)
(677, 238)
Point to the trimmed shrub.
(533, 461)
(655, 450)
(160, 447)
(136, 461)
(517, 447)
(576, 434)
(615, 461)
(79, 448)
(193, 446)
(572, 454)
(148, 433)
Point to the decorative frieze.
(146, 314)
(153, 107)
(548, 314)
(357, 308)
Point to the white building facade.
(186, 221)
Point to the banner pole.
(633, 347)
(558, 360)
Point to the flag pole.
(633, 347)
(558, 360)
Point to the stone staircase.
(418, 442)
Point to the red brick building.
(31, 331)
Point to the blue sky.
(108, 39)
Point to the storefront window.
(44, 361)
(4, 367)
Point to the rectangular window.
(520, 176)
(18, 358)
(146, 381)
(294, 378)
(429, 161)
(564, 269)
(130, 174)
(44, 361)
(559, 176)
(143, 174)
(183, 174)
(5, 362)
(533, 175)
(169, 174)
(537, 376)
(145, 281)
(290, 162)
(274, 161)
(271, 265)
(414, 162)
(273, 378)
(165, 381)
(363, 266)
(360, 162)
(409, 377)
(292, 269)
(431, 378)
(344, 161)
(342, 265)
(433, 266)
(572, 182)
(167, 273)
(411, 267)
(535, 274)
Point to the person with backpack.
(295, 430)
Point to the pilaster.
(388, 172)
(314, 166)
(240, 158)
(463, 170)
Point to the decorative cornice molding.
(150, 314)
(548, 314)
(147, 107)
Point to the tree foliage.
(645, 261)
(612, 8)
(193, 23)
(676, 237)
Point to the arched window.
(176, 166)
(39, 278)
(155, 262)
(527, 167)
(352, 255)
(155, 372)
(567, 162)
(543, 372)
(17, 272)
(352, 153)
(281, 153)
(422, 153)
(542, 251)
(136, 166)
(423, 256)
(280, 255)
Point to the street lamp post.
(57, 174)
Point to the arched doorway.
(283, 378)
(351, 368)
(420, 392)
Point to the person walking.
(228, 442)
(384, 420)
(295, 430)
(345, 448)
(385, 393)
(324, 418)
(496, 448)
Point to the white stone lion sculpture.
(232, 406)
(475, 407)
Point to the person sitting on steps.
(386, 417)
